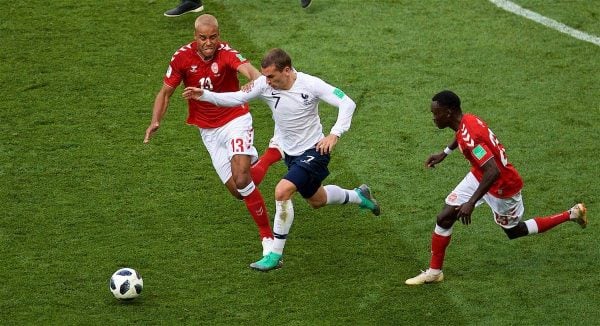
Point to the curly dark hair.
(448, 99)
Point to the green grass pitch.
(81, 196)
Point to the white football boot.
(425, 277)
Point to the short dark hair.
(447, 99)
(276, 57)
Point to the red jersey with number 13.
(219, 75)
(479, 144)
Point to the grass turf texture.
(81, 196)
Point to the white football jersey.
(295, 111)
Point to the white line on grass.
(516, 9)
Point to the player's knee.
(284, 190)
(445, 221)
(242, 181)
(281, 194)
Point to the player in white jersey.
(293, 98)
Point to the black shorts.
(307, 171)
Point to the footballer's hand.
(464, 212)
(326, 145)
(435, 159)
(192, 93)
(150, 131)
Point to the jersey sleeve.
(336, 97)
(481, 153)
(174, 76)
(231, 99)
(233, 58)
(477, 141)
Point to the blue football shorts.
(307, 171)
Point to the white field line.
(516, 9)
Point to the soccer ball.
(126, 284)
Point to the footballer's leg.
(272, 155)
(240, 132)
(577, 214)
(251, 195)
(305, 3)
(336, 195)
(185, 7)
(367, 200)
(440, 240)
(284, 217)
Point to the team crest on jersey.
(214, 68)
(305, 97)
(194, 68)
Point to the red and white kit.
(479, 144)
(224, 132)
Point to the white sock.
(441, 231)
(247, 190)
(434, 271)
(532, 227)
(284, 217)
(267, 244)
(338, 195)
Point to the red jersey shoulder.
(233, 57)
(472, 130)
(473, 122)
(179, 62)
(472, 138)
(183, 51)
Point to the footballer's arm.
(248, 71)
(161, 103)
(226, 99)
(491, 173)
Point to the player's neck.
(456, 121)
(203, 57)
(291, 81)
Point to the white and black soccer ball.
(126, 284)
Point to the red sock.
(256, 206)
(260, 168)
(439, 243)
(548, 222)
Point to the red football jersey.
(218, 74)
(479, 144)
